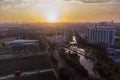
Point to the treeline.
(106, 67)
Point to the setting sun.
(50, 13)
(59, 10)
(51, 17)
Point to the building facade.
(101, 36)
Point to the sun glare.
(50, 13)
(51, 17)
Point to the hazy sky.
(59, 10)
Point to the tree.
(66, 73)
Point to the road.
(61, 63)
(26, 74)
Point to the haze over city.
(59, 39)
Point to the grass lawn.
(24, 64)
(7, 39)
(41, 76)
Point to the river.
(88, 64)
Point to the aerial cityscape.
(59, 40)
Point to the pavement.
(60, 60)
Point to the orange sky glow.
(59, 10)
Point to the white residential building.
(101, 36)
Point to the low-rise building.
(21, 42)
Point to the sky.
(59, 10)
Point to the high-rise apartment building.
(101, 36)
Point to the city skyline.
(59, 10)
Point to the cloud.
(91, 1)
(6, 4)
(95, 1)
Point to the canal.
(87, 63)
